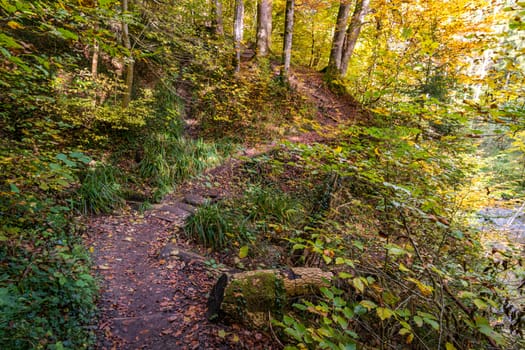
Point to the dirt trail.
(154, 288)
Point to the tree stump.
(250, 297)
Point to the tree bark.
(238, 31)
(264, 27)
(336, 53)
(217, 22)
(94, 59)
(288, 35)
(352, 34)
(248, 296)
(129, 60)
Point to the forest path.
(154, 287)
(154, 283)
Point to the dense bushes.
(409, 273)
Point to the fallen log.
(249, 297)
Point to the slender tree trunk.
(94, 59)
(288, 34)
(352, 34)
(238, 31)
(336, 53)
(129, 60)
(217, 23)
(312, 46)
(264, 27)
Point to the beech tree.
(352, 33)
(334, 64)
(264, 27)
(129, 60)
(217, 22)
(288, 34)
(238, 31)
(345, 39)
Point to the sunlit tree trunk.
(129, 60)
(94, 59)
(217, 23)
(238, 30)
(264, 27)
(336, 53)
(352, 34)
(288, 34)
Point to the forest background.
(104, 102)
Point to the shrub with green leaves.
(47, 295)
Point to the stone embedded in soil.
(195, 200)
(170, 212)
(186, 207)
(169, 250)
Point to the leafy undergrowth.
(376, 207)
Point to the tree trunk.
(352, 34)
(249, 296)
(217, 23)
(288, 34)
(129, 60)
(238, 31)
(336, 53)
(264, 27)
(94, 59)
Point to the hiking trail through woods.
(154, 283)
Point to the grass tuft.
(169, 160)
(209, 225)
(101, 191)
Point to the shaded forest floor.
(155, 281)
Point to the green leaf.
(358, 244)
(404, 331)
(80, 157)
(65, 159)
(14, 188)
(349, 346)
(384, 313)
(418, 320)
(358, 284)
(432, 323)
(450, 346)
(66, 34)
(243, 252)
(9, 42)
(345, 275)
(327, 292)
(403, 268)
(480, 304)
(396, 250)
(369, 305)
(464, 294)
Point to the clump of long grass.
(210, 225)
(268, 204)
(101, 190)
(241, 220)
(170, 159)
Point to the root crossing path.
(154, 289)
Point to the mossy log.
(250, 296)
